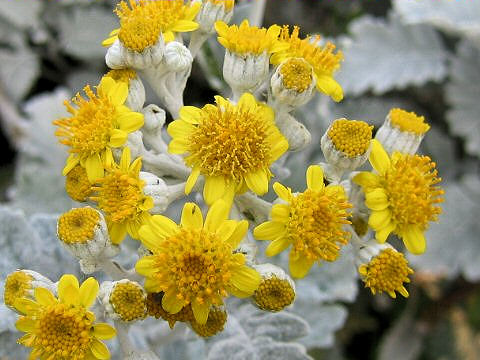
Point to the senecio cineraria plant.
(127, 174)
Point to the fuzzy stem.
(123, 338)
(256, 15)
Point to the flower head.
(310, 221)
(402, 196)
(194, 263)
(143, 22)
(276, 291)
(17, 285)
(386, 272)
(124, 300)
(63, 328)
(232, 145)
(246, 39)
(120, 196)
(213, 11)
(217, 317)
(408, 121)
(97, 125)
(322, 59)
(77, 185)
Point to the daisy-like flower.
(194, 263)
(120, 196)
(322, 59)
(136, 91)
(276, 291)
(22, 284)
(63, 328)
(97, 125)
(402, 196)
(123, 300)
(310, 221)
(231, 145)
(77, 185)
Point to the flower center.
(217, 317)
(128, 301)
(387, 272)
(315, 224)
(296, 74)
(274, 294)
(412, 194)
(64, 331)
(77, 185)
(350, 137)
(155, 309)
(229, 142)
(88, 129)
(321, 58)
(119, 195)
(78, 225)
(123, 75)
(17, 285)
(197, 264)
(408, 121)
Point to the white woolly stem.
(176, 192)
(256, 15)
(116, 272)
(162, 165)
(197, 40)
(259, 208)
(123, 338)
(355, 239)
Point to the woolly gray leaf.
(281, 326)
(232, 349)
(462, 95)
(386, 55)
(281, 351)
(23, 14)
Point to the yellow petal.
(200, 312)
(192, 180)
(279, 147)
(191, 114)
(178, 146)
(65, 281)
(171, 303)
(180, 129)
(366, 179)
(257, 181)
(26, 306)
(238, 234)
(191, 216)
(117, 92)
(150, 239)
(221, 28)
(94, 167)
(246, 279)
(277, 246)
(71, 295)
(283, 192)
(130, 121)
(248, 101)
(269, 230)
(125, 159)
(25, 324)
(168, 36)
(103, 331)
(379, 157)
(99, 350)
(213, 189)
(226, 229)
(315, 177)
(146, 266)
(44, 297)
(414, 240)
(109, 41)
(71, 162)
(117, 233)
(330, 87)
(88, 292)
(379, 219)
(217, 213)
(376, 199)
(299, 266)
(117, 138)
(382, 234)
(280, 213)
(184, 25)
(163, 226)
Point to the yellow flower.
(311, 222)
(408, 121)
(387, 272)
(227, 3)
(246, 39)
(402, 196)
(77, 185)
(98, 124)
(142, 23)
(215, 323)
(322, 59)
(17, 285)
(120, 196)
(232, 145)
(194, 262)
(63, 328)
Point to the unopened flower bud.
(154, 118)
(177, 57)
(84, 233)
(158, 190)
(213, 11)
(124, 300)
(244, 73)
(402, 131)
(22, 284)
(277, 289)
(119, 56)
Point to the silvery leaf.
(22, 14)
(385, 55)
(282, 326)
(462, 95)
(280, 351)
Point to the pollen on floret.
(408, 121)
(296, 74)
(274, 294)
(123, 75)
(77, 185)
(217, 317)
(386, 272)
(78, 225)
(351, 137)
(155, 309)
(17, 285)
(128, 300)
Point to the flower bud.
(124, 300)
(276, 291)
(217, 317)
(402, 131)
(154, 118)
(213, 11)
(77, 185)
(119, 56)
(158, 190)
(22, 284)
(177, 57)
(84, 233)
(244, 73)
